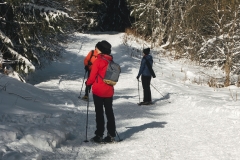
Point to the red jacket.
(98, 71)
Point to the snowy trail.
(174, 130)
(199, 123)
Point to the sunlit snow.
(44, 119)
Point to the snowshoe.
(109, 139)
(97, 139)
(85, 98)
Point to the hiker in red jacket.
(102, 94)
(88, 61)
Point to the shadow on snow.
(135, 129)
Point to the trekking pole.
(82, 85)
(159, 92)
(119, 139)
(87, 120)
(138, 91)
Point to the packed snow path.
(187, 121)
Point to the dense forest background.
(207, 32)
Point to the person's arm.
(141, 67)
(87, 58)
(93, 74)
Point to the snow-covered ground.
(45, 120)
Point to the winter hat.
(146, 51)
(104, 47)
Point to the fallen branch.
(26, 98)
(4, 87)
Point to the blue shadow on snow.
(135, 129)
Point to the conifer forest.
(33, 32)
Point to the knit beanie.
(146, 51)
(104, 47)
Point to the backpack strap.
(105, 59)
(107, 64)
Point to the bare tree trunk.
(227, 68)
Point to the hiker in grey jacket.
(146, 77)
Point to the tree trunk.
(227, 68)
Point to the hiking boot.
(85, 98)
(109, 139)
(97, 139)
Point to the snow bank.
(28, 121)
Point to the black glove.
(138, 77)
(88, 88)
(86, 68)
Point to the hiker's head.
(104, 47)
(146, 51)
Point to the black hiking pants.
(101, 104)
(146, 81)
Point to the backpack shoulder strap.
(106, 59)
(107, 64)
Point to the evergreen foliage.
(113, 15)
(34, 32)
(31, 31)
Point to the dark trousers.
(146, 81)
(99, 103)
(86, 89)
